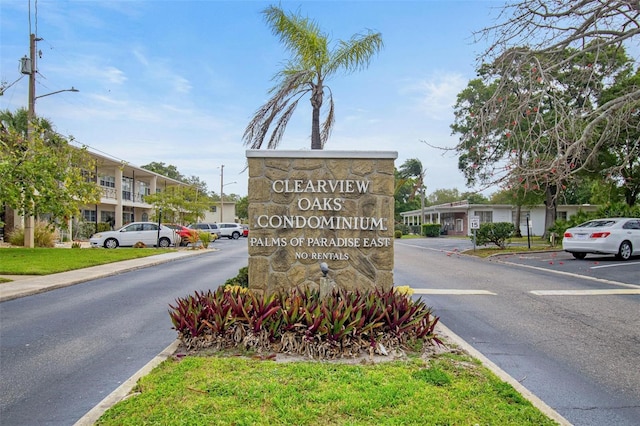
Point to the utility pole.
(221, 189)
(29, 219)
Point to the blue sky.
(178, 81)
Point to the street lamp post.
(221, 195)
(29, 67)
(221, 186)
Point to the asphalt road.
(579, 351)
(63, 351)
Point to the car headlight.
(96, 235)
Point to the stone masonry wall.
(308, 207)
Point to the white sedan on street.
(616, 235)
(129, 235)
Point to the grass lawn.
(516, 245)
(448, 389)
(44, 261)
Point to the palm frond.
(281, 125)
(300, 35)
(287, 93)
(327, 126)
(355, 54)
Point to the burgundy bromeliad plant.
(345, 323)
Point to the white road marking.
(452, 291)
(584, 292)
(612, 265)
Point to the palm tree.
(311, 64)
(412, 171)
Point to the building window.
(89, 215)
(127, 188)
(108, 181)
(105, 216)
(485, 216)
(561, 216)
(214, 209)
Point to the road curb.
(451, 337)
(126, 387)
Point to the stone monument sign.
(310, 207)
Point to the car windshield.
(597, 224)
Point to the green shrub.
(397, 234)
(431, 229)
(44, 235)
(205, 238)
(402, 228)
(242, 279)
(84, 230)
(497, 233)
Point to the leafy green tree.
(44, 174)
(179, 204)
(569, 52)
(168, 170)
(402, 196)
(195, 181)
(242, 208)
(474, 198)
(518, 126)
(620, 158)
(312, 63)
(442, 196)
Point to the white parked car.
(231, 230)
(129, 235)
(617, 235)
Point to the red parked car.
(183, 232)
(245, 230)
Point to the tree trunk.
(315, 129)
(316, 104)
(517, 220)
(550, 211)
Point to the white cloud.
(437, 94)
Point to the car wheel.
(579, 255)
(111, 243)
(235, 235)
(164, 242)
(625, 250)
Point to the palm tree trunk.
(316, 104)
(315, 129)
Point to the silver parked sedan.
(617, 235)
(129, 235)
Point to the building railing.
(108, 192)
(111, 193)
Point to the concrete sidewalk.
(27, 285)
